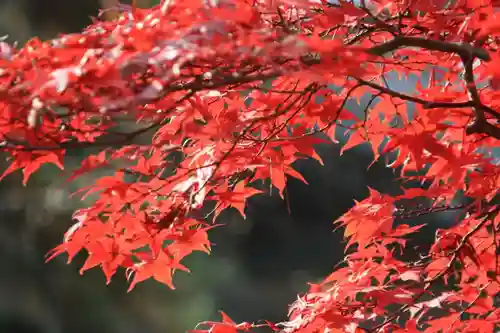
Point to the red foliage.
(191, 73)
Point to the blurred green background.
(257, 267)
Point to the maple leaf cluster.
(231, 92)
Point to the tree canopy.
(225, 95)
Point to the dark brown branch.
(10, 144)
(468, 54)
(427, 104)
(480, 123)
(463, 50)
(487, 128)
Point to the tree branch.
(480, 123)
(462, 49)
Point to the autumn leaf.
(191, 103)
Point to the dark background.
(257, 267)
